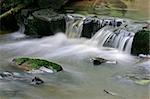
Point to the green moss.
(141, 43)
(38, 27)
(44, 23)
(142, 82)
(37, 63)
(20, 61)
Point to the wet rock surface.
(99, 61)
(37, 81)
(16, 11)
(90, 27)
(13, 76)
(141, 43)
(16, 76)
(92, 24)
(29, 64)
(6, 75)
(44, 23)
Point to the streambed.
(80, 78)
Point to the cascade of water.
(14, 35)
(19, 33)
(129, 45)
(120, 39)
(74, 26)
(111, 35)
(101, 36)
(122, 43)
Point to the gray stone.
(45, 22)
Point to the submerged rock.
(37, 81)
(139, 75)
(144, 56)
(98, 61)
(15, 76)
(30, 64)
(6, 75)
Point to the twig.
(12, 11)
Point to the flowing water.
(121, 40)
(74, 25)
(80, 78)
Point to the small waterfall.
(14, 35)
(129, 45)
(120, 39)
(19, 33)
(74, 25)
(113, 32)
(101, 36)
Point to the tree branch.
(12, 11)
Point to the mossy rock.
(29, 64)
(141, 43)
(44, 23)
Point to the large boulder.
(29, 64)
(45, 22)
(11, 9)
(141, 43)
(16, 76)
(8, 24)
(90, 27)
(92, 24)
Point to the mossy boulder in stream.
(34, 64)
(141, 43)
(45, 22)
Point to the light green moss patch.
(37, 63)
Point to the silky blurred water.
(80, 78)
